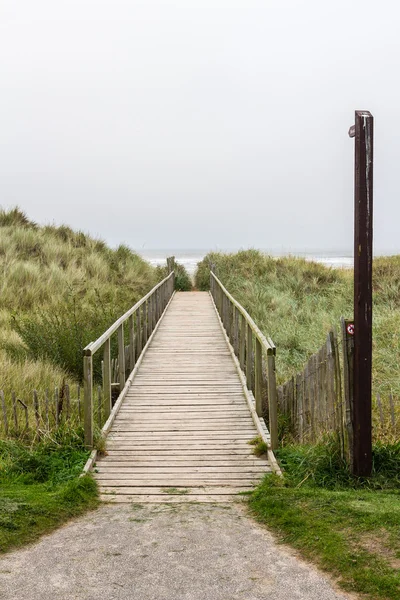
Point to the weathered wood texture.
(312, 402)
(251, 347)
(183, 429)
(40, 412)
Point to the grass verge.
(41, 488)
(349, 527)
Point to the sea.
(190, 257)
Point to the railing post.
(242, 342)
(158, 304)
(258, 378)
(121, 357)
(107, 378)
(138, 334)
(272, 400)
(144, 315)
(249, 357)
(152, 310)
(149, 318)
(88, 399)
(236, 330)
(131, 326)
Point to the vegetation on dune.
(183, 282)
(60, 289)
(296, 302)
(349, 526)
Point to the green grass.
(349, 527)
(40, 487)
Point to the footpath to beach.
(161, 552)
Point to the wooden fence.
(255, 353)
(41, 412)
(319, 399)
(313, 401)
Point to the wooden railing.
(249, 345)
(141, 319)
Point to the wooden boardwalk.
(183, 429)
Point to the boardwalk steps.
(183, 429)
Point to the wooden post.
(138, 334)
(258, 378)
(99, 405)
(88, 399)
(121, 357)
(4, 409)
(36, 409)
(15, 413)
(272, 399)
(131, 326)
(249, 357)
(149, 318)
(242, 343)
(67, 402)
(144, 317)
(153, 310)
(78, 391)
(348, 372)
(57, 405)
(363, 210)
(46, 409)
(107, 378)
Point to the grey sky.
(187, 123)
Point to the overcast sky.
(199, 124)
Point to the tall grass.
(59, 290)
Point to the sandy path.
(161, 552)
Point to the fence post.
(88, 399)
(348, 375)
(107, 378)
(121, 357)
(272, 398)
(4, 409)
(258, 378)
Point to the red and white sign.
(350, 328)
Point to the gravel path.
(161, 552)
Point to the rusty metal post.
(363, 131)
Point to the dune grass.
(59, 290)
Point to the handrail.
(94, 346)
(148, 311)
(248, 343)
(266, 342)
